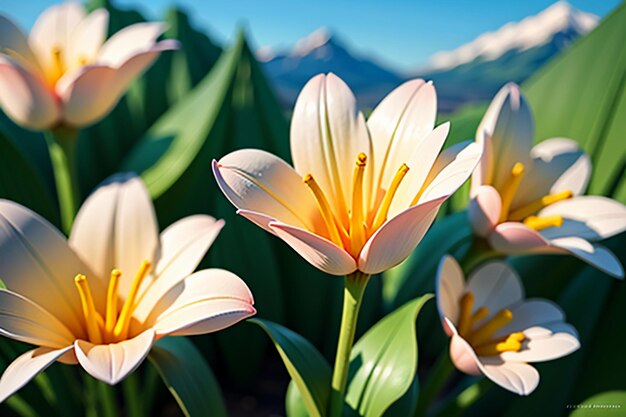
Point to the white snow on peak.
(265, 53)
(528, 33)
(308, 44)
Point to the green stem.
(132, 397)
(354, 288)
(437, 378)
(478, 253)
(62, 148)
(457, 406)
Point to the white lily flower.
(360, 195)
(65, 72)
(494, 330)
(528, 199)
(105, 297)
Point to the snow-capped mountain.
(322, 51)
(475, 71)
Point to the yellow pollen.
(57, 62)
(512, 343)
(383, 210)
(478, 315)
(486, 331)
(327, 214)
(543, 222)
(111, 312)
(534, 206)
(121, 327)
(465, 315)
(357, 222)
(89, 309)
(510, 188)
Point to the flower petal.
(23, 320)
(401, 124)
(183, 246)
(24, 97)
(520, 378)
(205, 302)
(88, 37)
(13, 42)
(558, 165)
(319, 252)
(450, 289)
(517, 238)
(113, 362)
(531, 313)
(128, 42)
(451, 169)
(545, 343)
(26, 367)
(258, 181)
(36, 262)
(461, 352)
(507, 129)
(594, 254)
(484, 210)
(398, 237)
(327, 135)
(53, 30)
(495, 285)
(116, 228)
(588, 217)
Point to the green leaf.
(188, 377)
(383, 363)
(307, 367)
(603, 404)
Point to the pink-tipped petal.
(255, 180)
(595, 255)
(517, 238)
(128, 42)
(319, 252)
(484, 210)
(259, 219)
(205, 302)
(136, 65)
(495, 285)
(26, 367)
(116, 228)
(397, 238)
(110, 363)
(25, 97)
(450, 288)
(22, 319)
(461, 353)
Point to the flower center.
(526, 213)
(353, 238)
(481, 337)
(113, 327)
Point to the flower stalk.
(62, 148)
(437, 379)
(354, 289)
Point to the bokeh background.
(232, 85)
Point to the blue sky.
(401, 34)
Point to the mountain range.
(472, 72)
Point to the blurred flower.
(360, 196)
(494, 330)
(526, 199)
(106, 296)
(64, 72)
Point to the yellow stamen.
(57, 62)
(543, 222)
(327, 214)
(111, 312)
(121, 328)
(510, 188)
(484, 333)
(383, 210)
(465, 315)
(534, 206)
(478, 315)
(89, 310)
(513, 343)
(357, 228)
